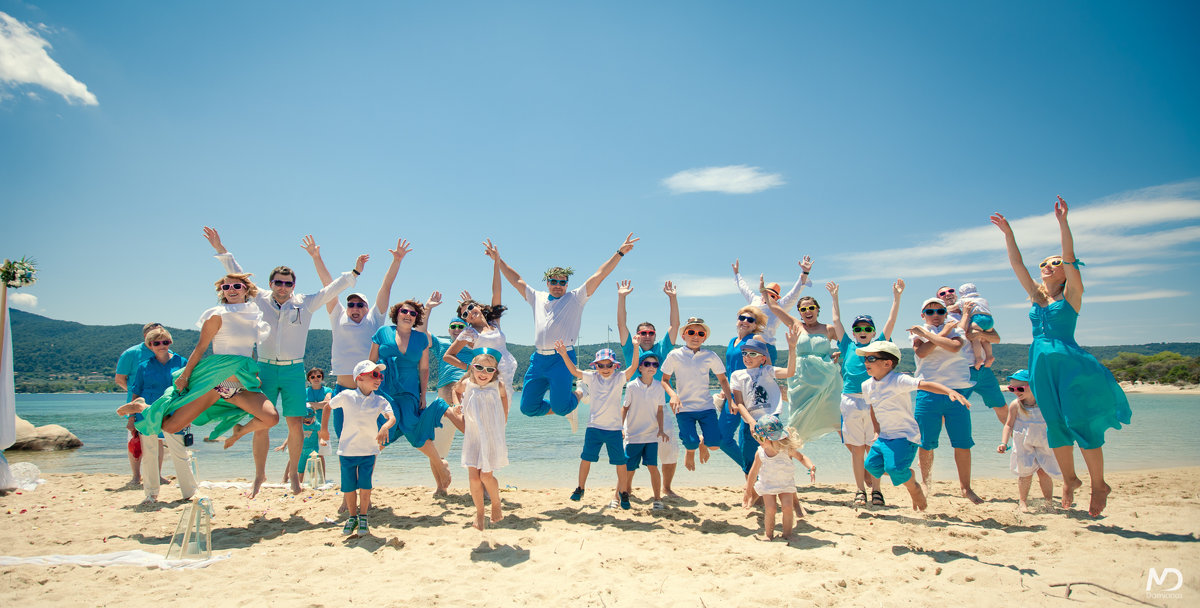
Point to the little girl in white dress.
(773, 474)
(484, 409)
(1031, 447)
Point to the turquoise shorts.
(284, 386)
(932, 408)
(891, 456)
(594, 438)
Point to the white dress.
(493, 337)
(776, 475)
(1031, 447)
(483, 445)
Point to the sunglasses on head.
(945, 292)
(356, 304)
(483, 368)
(279, 283)
(935, 311)
(863, 329)
(807, 308)
(457, 326)
(233, 286)
(1017, 389)
(604, 365)
(556, 281)
(748, 319)
(646, 332)
(407, 311)
(1054, 262)
(372, 374)
(160, 343)
(649, 363)
(695, 332)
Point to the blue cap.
(648, 355)
(1021, 375)
(755, 345)
(309, 413)
(861, 318)
(456, 320)
(491, 352)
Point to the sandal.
(860, 497)
(877, 498)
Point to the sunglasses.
(233, 286)
(378, 375)
(865, 329)
(457, 326)
(283, 283)
(1054, 262)
(356, 304)
(808, 308)
(695, 332)
(873, 358)
(748, 319)
(750, 353)
(945, 292)
(160, 343)
(604, 365)
(470, 307)
(646, 332)
(556, 281)
(649, 363)
(483, 368)
(935, 311)
(1017, 389)
(407, 311)
(316, 377)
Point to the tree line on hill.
(50, 355)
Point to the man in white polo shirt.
(281, 354)
(557, 314)
(939, 360)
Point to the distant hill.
(53, 356)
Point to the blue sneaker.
(351, 524)
(625, 500)
(577, 494)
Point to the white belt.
(281, 361)
(551, 351)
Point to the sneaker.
(658, 506)
(625, 500)
(573, 418)
(351, 524)
(363, 530)
(614, 504)
(577, 494)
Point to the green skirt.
(211, 371)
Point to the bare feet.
(703, 453)
(1099, 500)
(1023, 506)
(669, 493)
(479, 523)
(136, 406)
(970, 495)
(497, 513)
(238, 433)
(258, 481)
(766, 538)
(1069, 487)
(296, 484)
(446, 472)
(918, 497)
(689, 461)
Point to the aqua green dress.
(815, 391)
(1079, 397)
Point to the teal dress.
(211, 371)
(402, 387)
(1079, 397)
(815, 391)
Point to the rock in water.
(44, 438)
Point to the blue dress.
(815, 391)
(402, 387)
(1079, 397)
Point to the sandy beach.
(1153, 388)
(700, 551)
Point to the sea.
(543, 453)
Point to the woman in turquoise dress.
(222, 388)
(405, 352)
(815, 391)
(1078, 396)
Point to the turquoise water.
(544, 453)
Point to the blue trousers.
(548, 373)
(736, 439)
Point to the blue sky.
(876, 138)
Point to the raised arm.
(1073, 291)
(562, 352)
(593, 282)
(309, 244)
(838, 329)
(383, 299)
(497, 285)
(514, 279)
(793, 337)
(624, 288)
(672, 296)
(1014, 256)
(793, 294)
(223, 255)
(331, 291)
(776, 309)
(742, 285)
(894, 313)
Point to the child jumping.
(772, 474)
(889, 394)
(483, 402)
(1031, 448)
(643, 424)
(692, 403)
(361, 440)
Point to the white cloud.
(1158, 294)
(24, 301)
(695, 286)
(24, 60)
(732, 179)
(866, 300)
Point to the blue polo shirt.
(128, 362)
(660, 349)
(152, 378)
(854, 371)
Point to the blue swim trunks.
(641, 453)
(708, 423)
(985, 322)
(931, 408)
(891, 456)
(594, 438)
(356, 472)
(987, 387)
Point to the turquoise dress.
(402, 387)
(815, 391)
(1079, 397)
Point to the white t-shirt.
(644, 402)
(604, 395)
(760, 391)
(691, 369)
(352, 341)
(242, 326)
(360, 422)
(943, 366)
(556, 319)
(891, 398)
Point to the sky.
(875, 137)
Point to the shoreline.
(1154, 388)
(549, 549)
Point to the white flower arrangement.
(19, 273)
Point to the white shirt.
(755, 299)
(556, 319)
(241, 327)
(691, 369)
(289, 322)
(891, 398)
(644, 402)
(604, 394)
(943, 366)
(360, 422)
(352, 341)
(760, 391)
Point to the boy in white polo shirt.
(360, 440)
(889, 395)
(644, 423)
(604, 422)
(692, 403)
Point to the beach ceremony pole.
(8, 397)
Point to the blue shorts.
(356, 472)
(593, 438)
(707, 420)
(891, 456)
(641, 453)
(985, 322)
(929, 411)
(987, 387)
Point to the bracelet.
(620, 253)
(355, 271)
